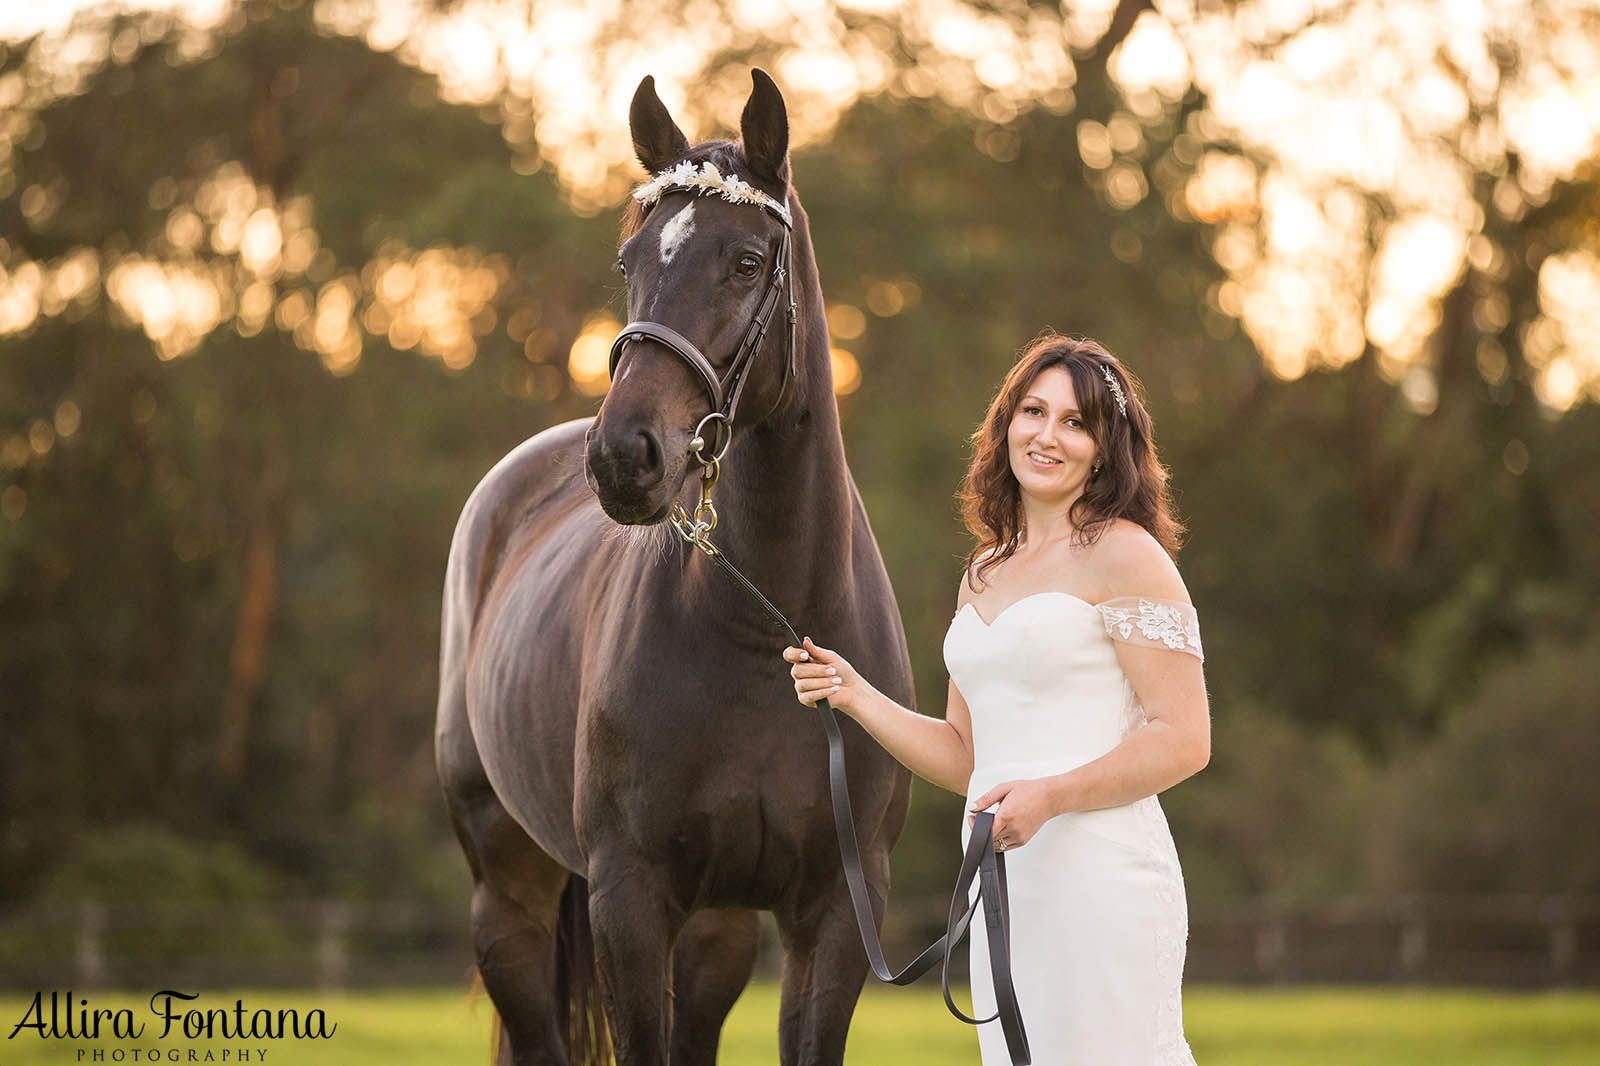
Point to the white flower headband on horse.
(706, 178)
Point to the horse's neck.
(791, 493)
(792, 505)
(788, 513)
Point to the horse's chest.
(729, 810)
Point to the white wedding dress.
(1098, 919)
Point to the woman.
(1076, 694)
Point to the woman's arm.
(937, 751)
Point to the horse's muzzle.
(629, 477)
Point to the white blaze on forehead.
(675, 232)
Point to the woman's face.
(1050, 447)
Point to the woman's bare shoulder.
(1129, 561)
(970, 579)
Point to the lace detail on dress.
(1171, 935)
(1155, 623)
(1172, 939)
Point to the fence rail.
(1516, 941)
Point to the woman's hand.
(1024, 807)
(822, 674)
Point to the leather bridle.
(725, 390)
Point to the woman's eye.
(748, 265)
(1074, 423)
(1031, 410)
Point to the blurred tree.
(1500, 802)
(271, 306)
(1283, 811)
(221, 549)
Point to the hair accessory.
(1116, 390)
(706, 178)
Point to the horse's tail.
(577, 992)
(497, 1038)
(583, 1015)
(496, 1028)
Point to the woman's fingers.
(811, 689)
(816, 671)
(811, 653)
(993, 796)
(815, 684)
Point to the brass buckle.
(697, 529)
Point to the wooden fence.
(1516, 941)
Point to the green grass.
(1226, 1026)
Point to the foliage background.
(277, 286)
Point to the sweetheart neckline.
(1030, 596)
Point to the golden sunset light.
(589, 360)
(1331, 107)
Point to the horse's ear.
(657, 140)
(765, 127)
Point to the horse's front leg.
(634, 922)
(823, 972)
(711, 964)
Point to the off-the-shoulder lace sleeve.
(1153, 623)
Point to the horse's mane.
(724, 155)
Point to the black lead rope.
(981, 863)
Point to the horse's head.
(706, 257)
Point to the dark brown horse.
(618, 740)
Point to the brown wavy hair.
(1131, 482)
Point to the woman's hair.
(1131, 483)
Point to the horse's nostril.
(649, 453)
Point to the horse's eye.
(749, 265)
(622, 268)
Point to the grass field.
(1226, 1027)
